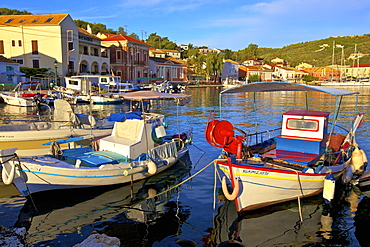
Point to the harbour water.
(157, 212)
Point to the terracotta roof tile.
(116, 37)
(50, 19)
(81, 30)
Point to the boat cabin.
(83, 83)
(304, 131)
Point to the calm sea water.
(196, 212)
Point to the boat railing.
(259, 137)
(7, 120)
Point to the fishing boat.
(97, 89)
(30, 96)
(296, 159)
(124, 206)
(136, 149)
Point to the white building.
(9, 72)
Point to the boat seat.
(95, 159)
(111, 155)
(292, 156)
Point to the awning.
(151, 95)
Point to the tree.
(159, 42)
(121, 30)
(196, 62)
(214, 64)
(228, 54)
(309, 78)
(135, 36)
(5, 11)
(34, 71)
(253, 78)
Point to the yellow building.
(51, 41)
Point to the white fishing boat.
(29, 135)
(29, 96)
(136, 149)
(298, 159)
(97, 89)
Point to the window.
(49, 19)
(86, 52)
(70, 39)
(2, 51)
(13, 43)
(19, 43)
(303, 124)
(75, 83)
(35, 63)
(71, 66)
(96, 52)
(70, 46)
(118, 55)
(35, 47)
(10, 20)
(9, 68)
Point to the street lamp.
(56, 72)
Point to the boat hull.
(18, 101)
(261, 186)
(30, 143)
(38, 174)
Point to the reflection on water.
(131, 213)
(188, 213)
(280, 225)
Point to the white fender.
(7, 176)
(152, 168)
(235, 193)
(357, 159)
(329, 188)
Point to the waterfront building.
(323, 73)
(129, 57)
(51, 41)
(169, 69)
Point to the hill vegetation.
(312, 52)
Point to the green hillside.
(308, 51)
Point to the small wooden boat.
(136, 149)
(303, 155)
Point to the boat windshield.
(299, 124)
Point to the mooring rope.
(17, 163)
(184, 181)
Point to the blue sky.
(223, 24)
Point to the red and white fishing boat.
(25, 93)
(303, 156)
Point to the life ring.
(152, 168)
(8, 177)
(234, 194)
